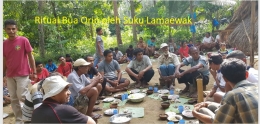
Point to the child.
(184, 50)
(190, 44)
(6, 96)
(156, 53)
(223, 51)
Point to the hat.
(163, 45)
(53, 85)
(80, 62)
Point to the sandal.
(97, 109)
(96, 116)
(182, 92)
(192, 101)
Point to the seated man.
(107, 68)
(252, 74)
(151, 45)
(240, 105)
(83, 88)
(65, 68)
(129, 53)
(53, 109)
(50, 66)
(156, 53)
(69, 59)
(208, 42)
(223, 51)
(114, 53)
(40, 71)
(119, 56)
(140, 68)
(167, 63)
(142, 45)
(94, 72)
(199, 67)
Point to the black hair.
(236, 54)
(137, 50)
(141, 38)
(67, 55)
(153, 38)
(208, 33)
(59, 57)
(98, 29)
(156, 49)
(106, 52)
(234, 70)
(216, 59)
(37, 63)
(50, 60)
(131, 46)
(10, 22)
(193, 48)
(86, 57)
(183, 43)
(116, 48)
(112, 49)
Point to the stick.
(246, 31)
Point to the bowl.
(149, 92)
(120, 119)
(163, 116)
(136, 97)
(165, 105)
(164, 98)
(113, 105)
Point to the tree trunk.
(251, 41)
(118, 32)
(41, 31)
(192, 20)
(133, 15)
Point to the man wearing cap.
(82, 86)
(166, 65)
(53, 110)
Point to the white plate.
(170, 113)
(163, 91)
(109, 111)
(135, 91)
(187, 113)
(116, 95)
(173, 97)
(175, 118)
(110, 99)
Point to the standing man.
(167, 63)
(65, 68)
(99, 47)
(17, 50)
(140, 68)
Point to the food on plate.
(120, 119)
(188, 113)
(174, 118)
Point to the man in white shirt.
(207, 42)
(120, 58)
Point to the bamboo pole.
(200, 90)
(253, 3)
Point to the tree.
(132, 6)
(118, 32)
(41, 30)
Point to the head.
(141, 39)
(108, 55)
(56, 88)
(223, 46)
(89, 59)
(171, 40)
(10, 28)
(207, 34)
(138, 53)
(237, 54)
(153, 39)
(116, 49)
(214, 61)
(50, 61)
(112, 49)
(164, 48)
(81, 66)
(62, 60)
(67, 56)
(130, 47)
(39, 66)
(233, 70)
(190, 42)
(183, 43)
(194, 52)
(99, 31)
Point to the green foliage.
(182, 35)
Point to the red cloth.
(42, 75)
(15, 53)
(65, 70)
(184, 51)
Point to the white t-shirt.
(119, 55)
(217, 38)
(222, 82)
(252, 75)
(206, 40)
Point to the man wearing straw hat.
(53, 110)
(167, 63)
(240, 105)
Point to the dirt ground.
(152, 108)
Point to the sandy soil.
(152, 107)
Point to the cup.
(155, 89)
(126, 95)
(181, 121)
(171, 92)
(180, 108)
(170, 122)
(115, 111)
(150, 88)
(123, 97)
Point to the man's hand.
(137, 77)
(141, 74)
(101, 54)
(115, 83)
(177, 74)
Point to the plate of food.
(187, 113)
(137, 97)
(135, 91)
(174, 118)
(164, 91)
(109, 112)
(170, 113)
(120, 119)
(110, 99)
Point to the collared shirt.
(171, 59)
(202, 60)
(78, 83)
(139, 66)
(239, 105)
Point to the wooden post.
(251, 41)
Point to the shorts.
(122, 80)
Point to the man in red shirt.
(65, 68)
(42, 72)
(17, 50)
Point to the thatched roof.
(235, 34)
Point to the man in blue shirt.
(50, 66)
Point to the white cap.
(163, 45)
(53, 85)
(80, 62)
